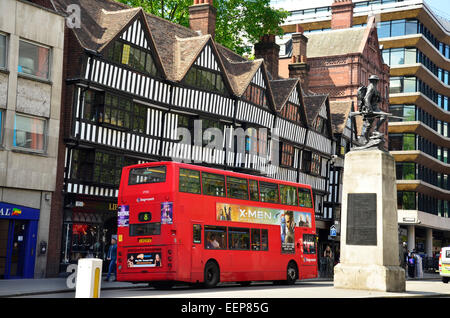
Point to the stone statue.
(368, 100)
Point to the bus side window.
(264, 240)
(253, 187)
(256, 239)
(189, 181)
(304, 198)
(269, 192)
(215, 237)
(197, 233)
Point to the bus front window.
(147, 175)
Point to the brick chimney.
(342, 14)
(202, 17)
(299, 67)
(268, 50)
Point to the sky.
(440, 7)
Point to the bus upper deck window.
(147, 175)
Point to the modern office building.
(31, 61)
(416, 45)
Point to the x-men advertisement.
(287, 220)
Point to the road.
(260, 291)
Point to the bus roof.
(216, 170)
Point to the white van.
(444, 264)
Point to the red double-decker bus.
(186, 223)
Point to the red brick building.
(337, 62)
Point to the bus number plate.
(146, 240)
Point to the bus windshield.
(147, 175)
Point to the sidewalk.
(24, 287)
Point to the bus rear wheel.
(212, 275)
(292, 274)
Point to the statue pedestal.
(369, 256)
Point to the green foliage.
(238, 24)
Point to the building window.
(115, 110)
(256, 95)
(407, 112)
(34, 60)
(402, 142)
(133, 56)
(287, 155)
(2, 51)
(292, 112)
(406, 200)
(205, 79)
(319, 125)
(316, 163)
(306, 161)
(29, 133)
(406, 171)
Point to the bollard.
(89, 278)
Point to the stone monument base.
(370, 277)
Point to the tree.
(238, 22)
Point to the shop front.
(18, 235)
(89, 224)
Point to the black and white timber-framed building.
(134, 82)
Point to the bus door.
(309, 255)
(196, 253)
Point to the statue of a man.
(368, 101)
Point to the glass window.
(256, 239)
(304, 198)
(409, 85)
(215, 237)
(147, 175)
(395, 86)
(410, 56)
(29, 132)
(33, 60)
(409, 113)
(197, 233)
(213, 184)
(189, 181)
(238, 239)
(237, 188)
(406, 200)
(397, 56)
(288, 195)
(384, 29)
(309, 244)
(411, 27)
(398, 28)
(264, 240)
(145, 229)
(269, 192)
(2, 51)
(254, 193)
(406, 171)
(409, 142)
(205, 79)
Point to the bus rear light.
(169, 265)
(170, 258)
(169, 252)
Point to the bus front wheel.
(212, 275)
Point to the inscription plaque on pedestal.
(362, 219)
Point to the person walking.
(112, 258)
(328, 255)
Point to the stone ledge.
(370, 277)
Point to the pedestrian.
(328, 255)
(112, 257)
(411, 265)
(404, 257)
